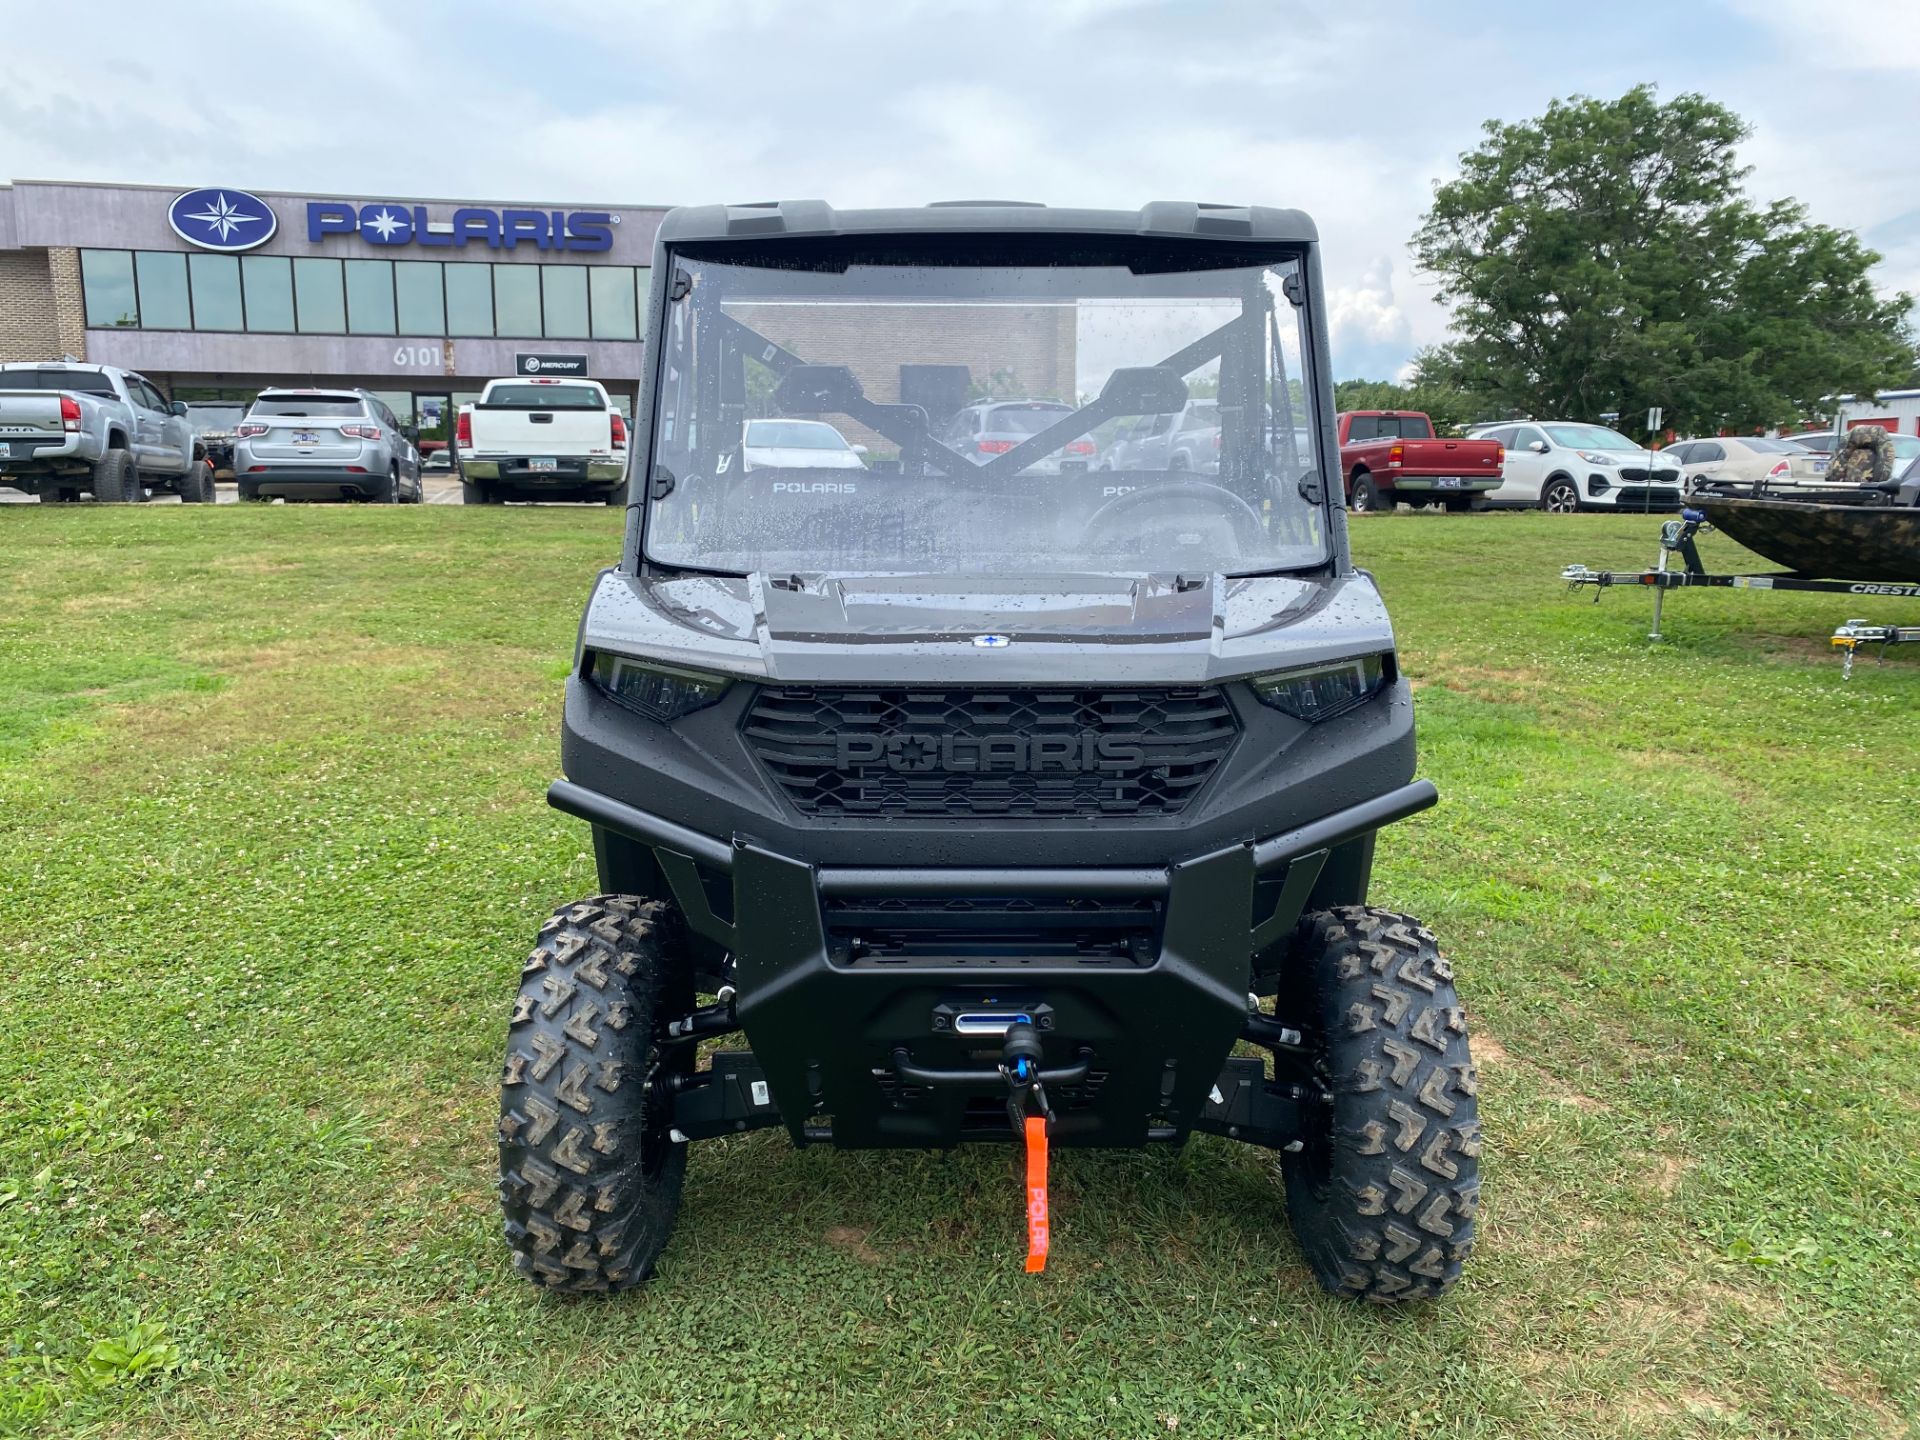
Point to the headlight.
(659, 692)
(1598, 457)
(1323, 691)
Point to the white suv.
(1564, 465)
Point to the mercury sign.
(386, 223)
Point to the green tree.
(1605, 257)
(1450, 409)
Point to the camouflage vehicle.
(962, 797)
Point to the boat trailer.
(1677, 538)
(1855, 633)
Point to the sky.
(1351, 111)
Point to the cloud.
(1371, 334)
(1866, 34)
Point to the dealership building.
(216, 292)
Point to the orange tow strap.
(1036, 1193)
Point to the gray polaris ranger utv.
(971, 789)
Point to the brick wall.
(29, 319)
(1024, 352)
(70, 309)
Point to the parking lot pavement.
(224, 495)
(438, 490)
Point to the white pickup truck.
(67, 427)
(541, 439)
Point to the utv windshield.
(1089, 466)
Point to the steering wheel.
(1248, 533)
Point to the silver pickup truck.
(67, 427)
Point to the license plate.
(1820, 464)
(306, 437)
(1448, 482)
(537, 465)
(6, 449)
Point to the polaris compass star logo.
(992, 642)
(228, 220)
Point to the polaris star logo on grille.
(226, 220)
(988, 754)
(992, 642)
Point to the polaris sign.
(386, 223)
(229, 220)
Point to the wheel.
(1560, 496)
(1365, 496)
(1178, 462)
(115, 482)
(617, 497)
(589, 1174)
(392, 497)
(196, 486)
(1384, 1193)
(60, 495)
(471, 494)
(250, 495)
(1457, 504)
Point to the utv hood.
(1061, 629)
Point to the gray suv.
(324, 445)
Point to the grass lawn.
(272, 847)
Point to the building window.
(369, 297)
(469, 299)
(516, 300)
(272, 294)
(563, 291)
(320, 304)
(106, 279)
(613, 308)
(162, 277)
(216, 292)
(268, 283)
(422, 301)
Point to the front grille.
(1006, 931)
(1022, 753)
(1641, 497)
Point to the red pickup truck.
(1389, 455)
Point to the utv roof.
(1166, 218)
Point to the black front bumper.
(849, 977)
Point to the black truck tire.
(471, 494)
(1365, 495)
(196, 486)
(590, 1175)
(1383, 1199)
(115, 481)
